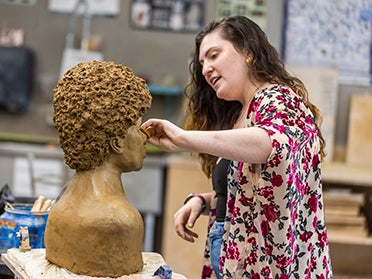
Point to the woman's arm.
(251, 145)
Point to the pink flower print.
(252, 241)
(323, 239)
(305, 236)
(230, 204)
(281, 115)
(232, 251)
(275, 161)
(315, 161)
(235, 213)
(270, 132)
(300, 124)
(283, 90)
(242, 178)
(290, 237)
(313, 203)
(266, 271)
(276, 144)
(293, 214)
(265, 228)
(251, 229)
(267, 192)
(315, 222)
(282, 261)
(280, 128)
(268, 249)
(293, 145)
(283, 276)
(312, 264)
(252, 258)
(288, 122)
(310, 247)
(255, 275)
(300, 186)
(246, 201)
(276, 180)
(270, 212)
(207, 271)
(240, 168)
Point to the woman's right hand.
(164, 134)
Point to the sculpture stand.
(32, 264)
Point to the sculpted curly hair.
(94, 102)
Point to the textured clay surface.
(93, 229)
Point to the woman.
(245, 107)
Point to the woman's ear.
(116, 145)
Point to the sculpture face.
(131, 150)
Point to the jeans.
(215, 240)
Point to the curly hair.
(206, 111)
(94, 102)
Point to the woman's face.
(224, 68)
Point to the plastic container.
(21, 216)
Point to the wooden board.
(359, 146)
(184, 176)
(33, 264)
(322, 86)
(16, 269)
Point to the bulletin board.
(255, 10)
(332, 33)
(167, 15)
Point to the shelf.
(169, 93)
(164, 90)
(341, 173)
(352, 240)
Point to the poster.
(167, 15)
(255, 10)
(332, 33)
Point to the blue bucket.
(21, 216)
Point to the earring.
(250, 61)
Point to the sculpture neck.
(100, 181)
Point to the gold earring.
(250, 61)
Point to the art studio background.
(327, 43)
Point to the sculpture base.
(34, 265)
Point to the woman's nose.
(207, 68)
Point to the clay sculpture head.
(94, 102)
(93, 229)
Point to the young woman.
(245, 107)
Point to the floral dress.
(275, 224)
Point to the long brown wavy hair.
(206, 111)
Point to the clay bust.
(93, 229)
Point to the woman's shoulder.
(276, 89)
(275, 93)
